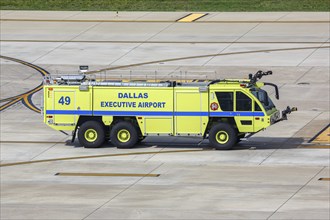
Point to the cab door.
(244, 116)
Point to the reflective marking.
(151, 113)
(109, 174)
(68, 112)
(232, 114)
(192, 17)
(191, 114)
(95, 156)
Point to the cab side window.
(257, 107)
(226, 100)
(243, 102)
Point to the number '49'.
(64, 100)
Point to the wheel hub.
(90, 135)
(222, 137)
(123, 135)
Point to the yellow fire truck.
(223, 111)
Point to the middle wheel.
(124, 135)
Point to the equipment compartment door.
(190, 111)
(64, 105)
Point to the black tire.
(222, 136)
(123, 135)
(91, 134)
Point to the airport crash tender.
(224, 111)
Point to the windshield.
(262, 96)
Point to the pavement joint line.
(70, 16)
(286, 14)
(282, 144)
(308, 56)
(295, 193)
(142, 42)
(230, 44)
(107, 174)
(54, 144)
(121, 192)
(153, 155)
(303, 75)
(203, 56)
(137, 19)
(161, 42)
(96, 156)
(57, 47)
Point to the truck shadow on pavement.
(256, 143)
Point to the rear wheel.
(124, 135)
(222, 136)
(91, 134)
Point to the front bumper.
(275, 117)
(285, 112)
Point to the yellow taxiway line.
(95, 156)
(109, 174)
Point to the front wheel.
(91, 134)
(222, 136)
(124, 135)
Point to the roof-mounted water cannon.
(258, 75)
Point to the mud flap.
(74, 132)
